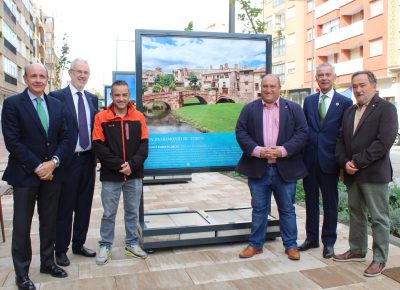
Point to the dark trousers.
(316, 180)
(75, 203)
(47, 195)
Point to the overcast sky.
(94, 26)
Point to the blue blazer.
(27, 142)
(65, 97)
(292, 135)
(321, 142)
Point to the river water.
(167, 123)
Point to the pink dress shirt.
(270, 129)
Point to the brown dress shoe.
(249, 252)
(349, 257)
(293, 254)
(374, 269)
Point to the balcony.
(351, 30)
(329, 6)
(341, 34)
(348, 67)
(9, 45)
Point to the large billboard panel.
(191, 87)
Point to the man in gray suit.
(362, 150)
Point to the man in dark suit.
(35, 135)
(324, 112)
(363, 148)
(272, 132)
(77, 190)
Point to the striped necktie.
(322, 109)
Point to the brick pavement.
(199, 267)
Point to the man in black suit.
(363, 150)
(35, 135)
(272, 132)
(77, 190)
(324, 111)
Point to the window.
(257, 87)
(291, 67)
(10, 67)
(278, 46)
(310, 5)
(291, 39)
(268, 22)
(375, 47)
(309, 64)
(279, 70)
(330, 26)
(310, 34)
(376, 8)
(9, 34)
(290, 13)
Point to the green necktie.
(42, 114)
(322, 109)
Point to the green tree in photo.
(164, 81)
(194, 82)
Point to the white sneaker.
(135, 251)
(104, 256)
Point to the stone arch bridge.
(175, 99)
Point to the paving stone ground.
(196, 267)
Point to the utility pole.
(231, 16)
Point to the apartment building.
(355, 35)
(25, 33)
(285, 22)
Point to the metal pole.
(313, 49)
(116, 54)
(231, 16)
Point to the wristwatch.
(56, 161)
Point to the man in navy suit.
(324, 112)
(35, 135)
(272, 132)
(77, 191)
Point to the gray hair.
(78, 60)
(28, 65)
(325, 64)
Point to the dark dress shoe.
(308, 245)
(83, 251)
(54, 271)
(62, 259)
(24, 283)
(328, 252)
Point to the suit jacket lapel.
(283, 114)
(315, 104)
(32, 111)
(333, 107)
(259, 120)
(70, 104)
(92, 109)
(371, 107)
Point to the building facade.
(356, 35)
(25, 36)
(285, 22)
(353, 35)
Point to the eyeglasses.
(80, 72)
